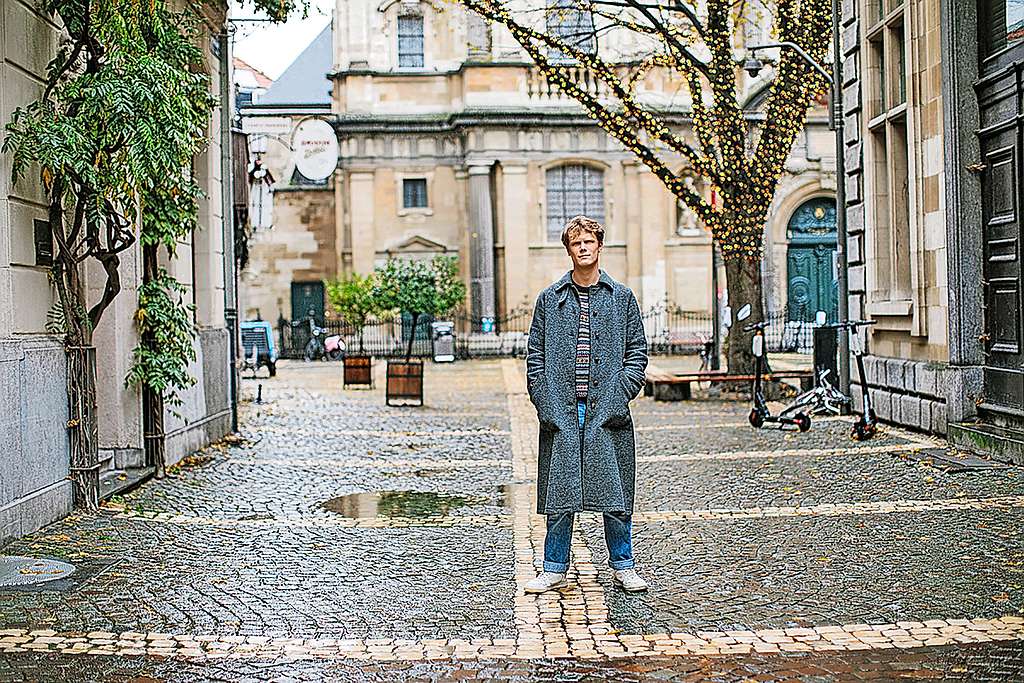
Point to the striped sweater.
(583, 342)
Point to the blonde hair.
(579, 224)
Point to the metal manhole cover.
(26, 571)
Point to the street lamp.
(752, 65)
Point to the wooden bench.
(653, 377)
(669, 387)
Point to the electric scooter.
(867, 425)
(760, 415)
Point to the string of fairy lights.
(745, 181)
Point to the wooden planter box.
(404, 382)
(358, 371)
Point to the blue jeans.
(617, 532)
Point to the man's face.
(584, 249)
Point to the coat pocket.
(541, 399)
(618, 407)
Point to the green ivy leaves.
(164, 320)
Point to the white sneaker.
(545, 582)
(629, 580)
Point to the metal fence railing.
(669, 330)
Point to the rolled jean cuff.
(557, 567)
(619, 564)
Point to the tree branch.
(528, 38)
(669, 39)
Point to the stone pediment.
(416, 245)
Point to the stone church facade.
(452, 142)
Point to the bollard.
(259, 393)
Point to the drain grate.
(27, 571)
(954, 462)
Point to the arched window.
(573, 190)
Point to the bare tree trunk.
(82, 424)
(83, 428)
(743, 279)
(412, 337)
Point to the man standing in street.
(585, 362)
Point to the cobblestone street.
(341, 539)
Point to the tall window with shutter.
(410, 41)
(1000, 25)
(573, 190)
(888, 140)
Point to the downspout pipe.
(842, 260)
(228, 221)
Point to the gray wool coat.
(601, 476)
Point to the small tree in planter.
(420, 289)
(449, 287)
(353, 298)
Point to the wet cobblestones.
(757, 545)
(793, 479)
(832, 434)
(772, 573)
(981, 663)
(278, 581)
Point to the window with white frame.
(573, 190)
(573, 25)
(888, 142)
(414, 193)
(410, 41)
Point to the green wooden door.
(308, 297)
(811, 263)
(812, 284)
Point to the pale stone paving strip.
(523, 499)
(571, 621)
(581, 552)
(915, 439)
(712, 425)
(835, 509)
(782, 453)
(902, 634)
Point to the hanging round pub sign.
(315, 149)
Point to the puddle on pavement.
(412, 503)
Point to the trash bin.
(826, 353)
(443, 334)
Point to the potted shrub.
(420, 289)
(354, 299)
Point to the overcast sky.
(272, 47)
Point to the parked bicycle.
(823, 399)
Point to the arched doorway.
(811, 261)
